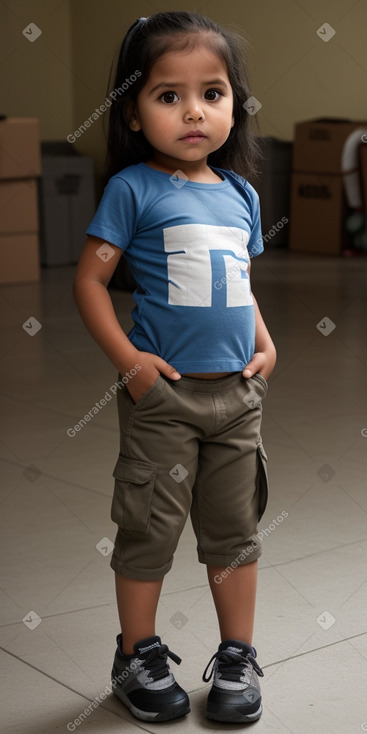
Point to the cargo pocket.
(132, 497)
(262, 479)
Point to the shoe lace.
(229, 660)
(156, 661)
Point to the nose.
(194, 112)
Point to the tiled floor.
(311, 630)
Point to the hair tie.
(136, 24)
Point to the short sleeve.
(115, 218)
(255, 245)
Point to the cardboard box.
(318, 202)
(20, 163)
(67, 205)
(19, 257)
(318, 212)
(20, 155)
(19, 241)
(318, 144)
(18, 206)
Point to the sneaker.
(144, 683)
(235, 694)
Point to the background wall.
(62, 76)
(36, 79)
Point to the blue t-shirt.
(188, 246)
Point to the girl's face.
(185, 92)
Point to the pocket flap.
(133, 493)
(133, 470)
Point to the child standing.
(194, 368)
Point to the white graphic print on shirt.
(189, 264)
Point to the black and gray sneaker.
(145, 684)
(235, 694)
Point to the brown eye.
(170, 96)
(213, 91)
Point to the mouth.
(194, 136)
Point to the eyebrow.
(171, 85)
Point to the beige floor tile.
(35, 703)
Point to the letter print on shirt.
(190, 280)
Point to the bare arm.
(95, 306)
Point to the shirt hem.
(217, 366)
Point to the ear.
(133, 117)
(232, 122)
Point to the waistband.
(198, 384)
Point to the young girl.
(194, 368)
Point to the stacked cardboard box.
(318, 203)
(20, 164)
